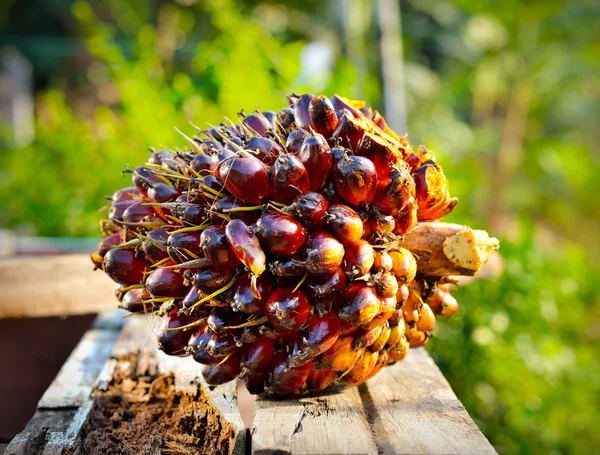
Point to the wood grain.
(331, 423)
(37, 286)
(413, 410)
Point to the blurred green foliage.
(507, 94)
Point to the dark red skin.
(394, 192)
(284, 120)
(255, 382)
(284, 380)
(315, 154)
(222, 373)
(355, 179)
(359, 259)
(324, 254)
(246, 246)
(325, 288)
(133, 299)
(289, 178)
(117, 209)
(211, 279)
(193, 215)
(124, 267)
(288, 268)
(279, 234)
(268, 150)
(257, 123)
(177, 243)
(230, 202)
(337, 153)
(295, 140)
(406, 219)
(245, 178)
(323, 116)
(270, 116)
(214, 184)
(107, 243)
(350, 130)
(126, 194)
(380, 152)
(287, 309)
(358, 304)
(216, 248)
(144, 178)
(156, 249)
(317, 337)
(219, 158)
(159, 156)
(221, 318)
(162, 192)
(198, 347)
(301, 114)
(166, 283)
(309, 208)
(137, 211)
(344, 223)
(244, 300)
(174, 342)
(191, 297)
(221, 344)
(203, 163)
(257, 356)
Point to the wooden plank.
(64, 285)
(413, 410)
(333, 423)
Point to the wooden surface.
(53, 286)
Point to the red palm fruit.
(386, 285)
(211, 279)
(172, 338)
(104, 247)
(280, 235)
(124, 267)
(406, 219)
(245, 178)
(358, 304)
(310, 209)
(215, 184)
(351, 130)
(155, 246)
(382, 339)
(337, 153)
(220, 319)
(344, 223)
(221, 344)
(398, 351)
(193, 215)
(166, 283)
(324, 254)
(318, 336)
(322, 115)
(301, 114)
(340, 103)
(295, 140)
(221, 156)
(255, 382)
(383, 225)
(223, 372)
(246, 336)
(191, 297)
(133, 301)
(203, 163)
(405, 265)
(117, 209)
(138, 212)
(216, 248)
(198, 347)
(383, 262)
(288, 268)
(284, 120)
(256, 123)
(158, 156)
(143, 178)
(315, 154)
(358, 259)
(284, 380)
(325, 288)
(246, 247)
(386, 311)
(366, 337)
(319, 380)
(243, 298)
(330, 193)
(346, 328)
(184, 246)
(426, 321)
(162, 192)
(431, 190)
(267, 149)
(126, 194)
(394, 193)
(355, 179)
(380, 152)
(444, 306)
(342, 355)
(287, 309)
(397, 333)
(227, 207)
(362, 368)
(288, 179)
(271, 332)
(257, 356)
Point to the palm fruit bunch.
(271, 248)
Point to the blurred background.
(506, 94)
